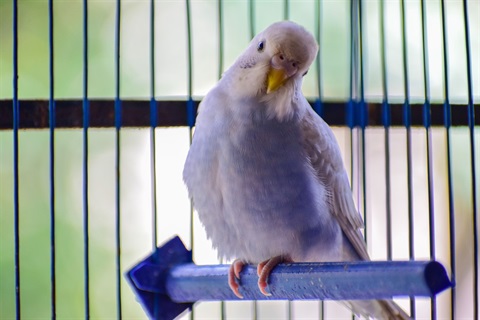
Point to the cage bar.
(190, 112)
(14, 106)
(86, 118)
(386, 125)
(318, 104)
(471, 129)
(448, 123)
(153, 126)
(33, 114)
(118, 125)
(51, 150)
(428, 138)
(407, 123)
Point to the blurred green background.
(171, 81)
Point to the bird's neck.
(284, 104)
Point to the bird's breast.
(269, 190)
(254, 188)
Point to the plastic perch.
(167, 282)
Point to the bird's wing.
(325, 158)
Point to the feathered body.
(265, 172)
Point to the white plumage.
(265, 171)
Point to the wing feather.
(324, 154)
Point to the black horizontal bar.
(136, 113)
(69, 113)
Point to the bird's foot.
(265, 268)
(234, 276)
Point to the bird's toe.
(265, 268)
(234, 276)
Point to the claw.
(234, 275)
(237, 268)
(262, 285)
(265, 268)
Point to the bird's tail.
(378, 309)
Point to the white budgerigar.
(265, 171)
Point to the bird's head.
(289, 49)
(279, 55)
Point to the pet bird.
(265, 172)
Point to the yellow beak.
(275, 79)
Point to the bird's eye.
(305, 73)
(261, 46)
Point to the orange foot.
(234, 275)
(265, 268)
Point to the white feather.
(265, 172)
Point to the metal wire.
(286, 10)
(349, 117)
(386, 124)
(352, 106)
(252, 30)
(223, 311)
(220, 38)
(363, 115)
(86, 117)
(190, 116)
(318, 35)
(118, 122)
(471, 127)
(16, 181)
(51, 149)
(153, 125)
(251, 18)
(152, 140)
(318, 102)
(428, 138)
(407, 123)
(190, 112)
(286, 16)
(357, 114)
(448, 116)
(386, 120)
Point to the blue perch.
(168, 282)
